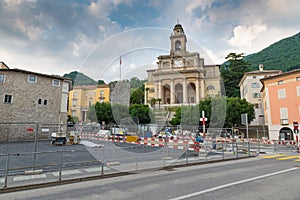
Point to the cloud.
(243, 35)
(192, 5)
(61, 36)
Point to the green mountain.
(79, 78)
(283, 55)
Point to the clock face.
(178, 63)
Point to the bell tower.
(178, 41)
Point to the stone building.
(28, 97)
(181, 77)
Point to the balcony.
(284, 121)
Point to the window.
(8, 98)
(255, 85)
(101, 92)
(45, 102)
(32, 79)
(56, 82)
(73, 113)
(74, 103)
(284, 117)
(255, 95)
(257, 106)
(254, 77)
(210, 87)
(2, 78)
(281, 94)
(39, 101)
(298, 90)
(74, 94)
(177, 45)
(280, 82)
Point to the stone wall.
(38, 102)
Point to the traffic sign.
(296, 125)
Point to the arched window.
(177, 45)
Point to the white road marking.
(232, 184)
(67, 172)
(94, 169)
(29, 177)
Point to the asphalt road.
(253, 178)
(48, 157)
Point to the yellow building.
(82, 97)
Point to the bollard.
(35, 146)
(102, 155)
(248, 142)
(258, 141)
(163, 157)
(102, 168)
(186, 154)
(6, 171)
(60, 165)
(136, 160)
(237, 152)
(222, 151)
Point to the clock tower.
(178, 41)
(181, 77)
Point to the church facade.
(181, 77)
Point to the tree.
(220, 112)
(232, 72)
(177, 118)
(235, 108)
(101, 82)
(153, 102)
(137, 96)
(102, 111)
(159, 100)
(141, 112)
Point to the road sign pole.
(203, 119)
(296, 131)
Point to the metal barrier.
(113, 157)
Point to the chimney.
(261, 67)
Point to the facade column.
(156, 89)
(184, 91)
(172, 92)
(202, 89)
(159, 90)
(197, 91)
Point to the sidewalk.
(110, 167)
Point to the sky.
(113, 39)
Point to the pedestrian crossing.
(283, 157)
